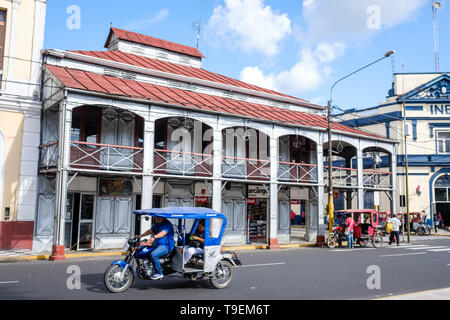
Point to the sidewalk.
(297, 241)
(439, 294)
(23, 255)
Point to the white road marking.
(261, 265)
(409, 246)
(402, 254)
(6, 282)
(437, 250)
(351, 250)
(426, 248)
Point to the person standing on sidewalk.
(440, 221)
(395, 230)
(349, 223)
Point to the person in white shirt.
(395, 230)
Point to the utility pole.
(406, 161)
(330, 174)
(330, 151)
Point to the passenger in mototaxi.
(365, 223)
(195, 245)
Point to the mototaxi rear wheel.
(331, 241)
(222, 275)
(377, 241)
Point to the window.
(443, 142)
(215, 225)
(2, 40)
(442, 189)
(85, 125)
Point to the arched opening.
(297, 168)
(246, 158)
(377, 179)
(106, 138)
(245, 154)
(183, 146)
(344, 174)
(442, 199)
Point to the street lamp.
(330, 155)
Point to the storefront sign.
(252, 201)
(257, 192)
(202, 199)
(440, 109)
(295, 201)
(115, 188)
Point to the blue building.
(418, 105)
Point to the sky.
(298, 47)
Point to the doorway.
(79, 221)
(444, 209)
(257, 220)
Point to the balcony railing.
(377, 179)
(342, 177)
(245, 168)
(96, 156)
(297, 172)
(183, 163)
(48, 156)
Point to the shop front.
(257, 212)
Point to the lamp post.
(330, 154)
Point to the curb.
(416, 295)
(118, 253)
(68, 256)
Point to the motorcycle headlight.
(126, 246)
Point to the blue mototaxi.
(214, 264)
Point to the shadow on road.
(94, 283)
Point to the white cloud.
(307, 74)
(350, 20)
(250, 25)
(331, 26)
(144, 23)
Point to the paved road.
(304, 273)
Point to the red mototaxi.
(366, 226)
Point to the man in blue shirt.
(162, 241)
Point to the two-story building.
(21, 41)
(143, 125)
(417, 106)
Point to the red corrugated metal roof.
(154, 64)
(154, 42)
(84, 80)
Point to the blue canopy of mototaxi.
(181, 213)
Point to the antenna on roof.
(197, 25)
(435, 6)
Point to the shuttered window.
(2, 39)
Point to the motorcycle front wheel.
(222, 275)
(113, 281)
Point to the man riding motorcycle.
(162, 239)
